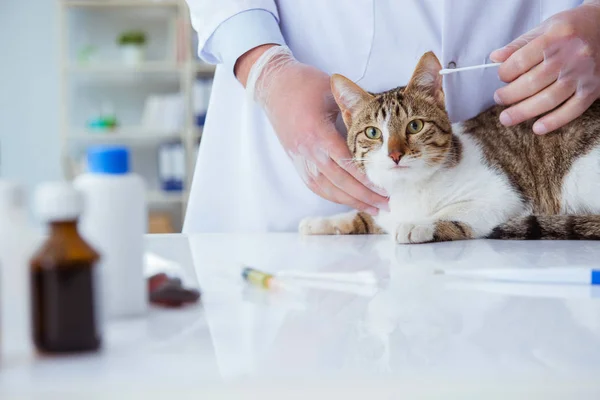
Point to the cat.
(475, 179)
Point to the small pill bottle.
(62, 276)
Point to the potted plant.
(133, 46)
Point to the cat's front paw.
(318, 226)
(350, 223)
(414, 233)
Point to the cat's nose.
(395, 156)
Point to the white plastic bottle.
(17, 244)
(114, 223)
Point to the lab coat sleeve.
(228, 28)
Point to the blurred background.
(79, 73)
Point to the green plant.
(137, 38)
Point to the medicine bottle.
(17, 243)
(62, 271)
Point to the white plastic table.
(414, 334)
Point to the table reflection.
(414, 322)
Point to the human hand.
(298, 102)
(555, 67)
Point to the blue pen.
(561, 275)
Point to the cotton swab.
(447, 71)
(525, 289)
(566, 275)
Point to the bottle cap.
(11, 194)
(113, 160)
(58, 201)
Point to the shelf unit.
(125, 135)
(147, 67)
(160, 197)
(173, 69)
(122, 3)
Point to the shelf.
(161, 197)
(147, 67)
(117, 68)
(120, 3)
(124, 135)
(204, 69)
(197, 132)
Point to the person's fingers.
(323, 187)
(502, 54)
(532, 82)
(347, 183)
(548, 99)
(572, 109)
(342, 157)
(523, 59)
(312, 184)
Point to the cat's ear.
(427, 78)
(349, 97)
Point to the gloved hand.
(555, 63)
(298, 101)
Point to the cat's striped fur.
(471, 180)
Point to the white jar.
(17, 244)
(114, 223)
(133, 54)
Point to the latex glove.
(556, 67)
(298, 101)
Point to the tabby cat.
(475, 179)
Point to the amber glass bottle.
(62, 273)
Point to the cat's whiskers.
(410, 158)
(429, 162)
(353, 159)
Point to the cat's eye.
(373, 133)
(415, 126)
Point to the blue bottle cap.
(112, 160)
(595, 277)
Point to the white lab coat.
(245, 182)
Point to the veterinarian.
(271, 153)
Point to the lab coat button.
(451, 65)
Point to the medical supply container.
(64, 308)
(115, 223)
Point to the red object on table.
(169, 292)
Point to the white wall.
(29, 91)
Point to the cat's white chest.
(411, 205)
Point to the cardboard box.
(160, 222)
